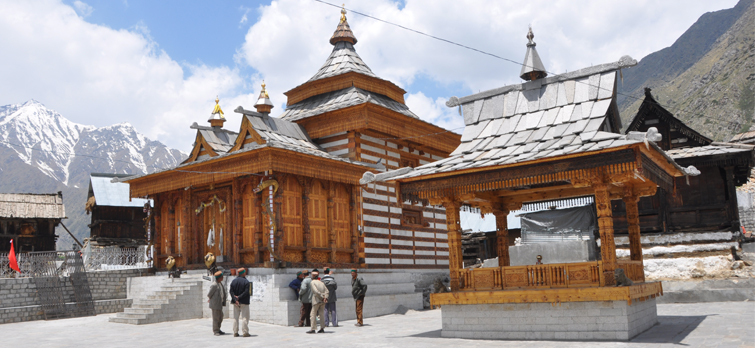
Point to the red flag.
(12, 258)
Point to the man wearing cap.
(319, 299)
(296, 283)
(240, 294)
(217, 298)
(305, 297)
(330, 306)
(358, 290)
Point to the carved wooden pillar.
(259, 225)
(454, 241)
(502, 236)
(306, 189)
(731, 199)
(605, 224)
(237, 218)
(186, 228)
(633, 220)
(353, 223)
(331, 225)
(157, 233)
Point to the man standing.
(319, 299)
(330, 306)
(358, 290)
(217, 298)
(305, 296)
(296, 283)
(240, 294)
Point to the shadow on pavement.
(670, 329)
(429, 334)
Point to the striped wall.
(390, 241)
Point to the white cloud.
(435, 111)
(83, 9)
(96, 75)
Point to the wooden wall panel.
(341, 218)
(318, 214)
(250, 210)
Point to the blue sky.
(159, 64)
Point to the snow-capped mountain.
(45, 140)
(37, 147)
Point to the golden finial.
(217, 109)
(264, 91)
(343, 13)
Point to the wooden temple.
(30, 220)
(707, 202)
(547, 138)
(284, 191)
(117, 220)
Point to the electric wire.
(683, 111)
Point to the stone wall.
(19, 300)
(746, 202)
(606, 320)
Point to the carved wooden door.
(318, 215)
(249, 223)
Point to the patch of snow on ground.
(685, 267)
(676, 238)
(661, 250)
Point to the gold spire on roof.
(264, 90)
(263, 105)
(217, 109)
(343, 31)
(343, 13)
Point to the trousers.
(330, 314)
(360, 305)
(217, 319)
(304, 313)
(243, 311)
(317, 309)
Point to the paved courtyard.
(717, 324)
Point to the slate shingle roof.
(342, 59)
(221, 140)
(114, 194)
(549, 117)
(278, 130)
(31, 206)
(709, 150)
(341, 99)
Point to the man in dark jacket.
(240, 293)
(296, 283)
(305, 297)
(358, 290)
(330, 307)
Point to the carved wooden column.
(237, 218)
(455, 262)
(633, 220)
(157, 233)
(259, 225)
(331, 224)
(605, 224)
(186, 226)
(502, 236)
(306, 189)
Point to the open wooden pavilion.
(547, 138)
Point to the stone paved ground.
(714, 324)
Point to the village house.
(29, 220)
(116, 219)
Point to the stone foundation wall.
(746, 202)
(605, 320)
(19, 300)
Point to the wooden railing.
(635, 270)
(560, 275)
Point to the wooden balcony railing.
(560, 275)
(635, 270)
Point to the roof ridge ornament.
(343, 31)
(216, 118)
(264, 105)
(532, 67)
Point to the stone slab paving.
(712, 324)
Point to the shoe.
(335, 326)
(321, 331)
(357, 324)
(247, 335)
(311, 331)
(218, 334)
(236, 335)
(222, 333)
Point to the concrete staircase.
(177, 300)
(709, 290)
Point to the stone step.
(144, 311)
(131, 315)
(124, 320)
(142, 301)
(146, 306)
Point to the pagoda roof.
(342, 59)
(341, 99)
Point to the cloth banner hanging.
(12, 258)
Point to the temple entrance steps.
(179, 299)
(709, 290)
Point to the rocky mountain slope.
(36, 147)
(706, 78)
